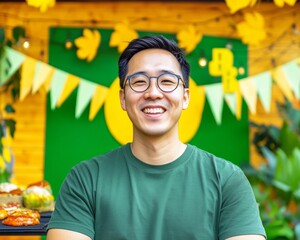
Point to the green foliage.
(18, 33)
(287, 171)
(4, 176)
(7, 124)
(2, 35)
(289, 139)
(276, 184)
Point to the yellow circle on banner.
(191, 117)
(116, 118)
(120, 126)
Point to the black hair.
(152, 42)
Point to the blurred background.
(59, 89)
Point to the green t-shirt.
(117, 196)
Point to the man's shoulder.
(209, 159)
(104, 159)
(112, 154)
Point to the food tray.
(40, 229)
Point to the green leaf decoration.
(11, 124)
(289, 139)
(297, 194)
(2, 134)
(297, 231)
(276, 184)
(265, 136)
(287, 177)
(261, 196)
(2, 35)
(279, 229)
(290, 115)
(270, 156)
(18, 32)
(9, 108)
(4, 176)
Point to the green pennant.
(2, 36)
(10, 61)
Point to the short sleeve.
(239, 213)
(74, 204)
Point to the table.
(40, 229)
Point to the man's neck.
(157, 151)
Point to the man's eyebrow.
(159, 72)
(167, 71)
(140, 72)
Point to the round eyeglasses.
(166, 82)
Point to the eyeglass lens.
(166, 82)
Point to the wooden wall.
(210, 18)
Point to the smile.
(153, 110)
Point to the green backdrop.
(70, 140)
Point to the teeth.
(153, 110)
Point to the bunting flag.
(9, 64)
(230, 99)
(263, 84)
(239, 102)
(292, 72)
(214, 93)
(38, 76)
(48, 81)
(248, 90)
(27, 75)
(42, 72)
(57, 85)
(97, 100)
(86, 90)
(69, 86)
(280, 78)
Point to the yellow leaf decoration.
(122, 35)
(252, 30)
(7, 141)
(188, 39)
(6, 154)
(43, 5)
(88, 44)
(236, 5)
(252, 3)
(280, 3)
(2, 164)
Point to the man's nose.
(153, 90)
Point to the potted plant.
(276, 183)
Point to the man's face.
(154, 112)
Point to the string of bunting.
(60, 84)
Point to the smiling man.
(156, 187)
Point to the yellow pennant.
(71, 83)
(97, 101)
(27, 76)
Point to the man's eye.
(138, 82)
(167, 82)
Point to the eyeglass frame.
(149, 77)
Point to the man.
(155, 188)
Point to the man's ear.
(122, 99)
(186, 98)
